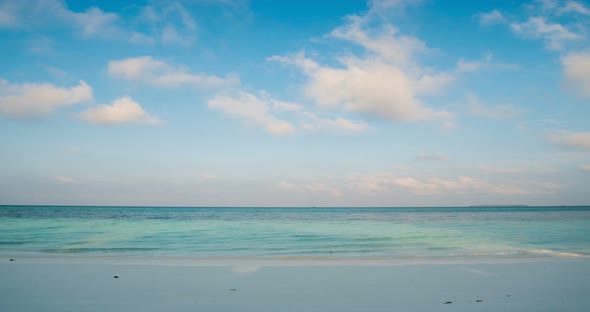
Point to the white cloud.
(39, 99)
(547, 5)
(171, 23)
(486, 63)
(432, 156)
(580, 140)
(57, 73)
(316, 123)
(555, 35)
(140, 38)
(208, 177)
(385, 182)
(39, 14)
(492, 17)
(311, 188)
(576, 70)
(575, 7)
(478, 108)
(167, 22)
(382, 7)
(41, 45)
(158, 73)
(502, 170)
(280, 106)
(585, 168)
(387, 82)
(517, 169)
(94, 22)
(65, 180)
(252, 110)
(265, 111)
(171, 36)
(123, 110)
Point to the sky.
(295, 103)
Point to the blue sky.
(272, 103)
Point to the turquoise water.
(295, 232)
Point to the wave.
(97, 250)
(556, 253)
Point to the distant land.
(499, 206)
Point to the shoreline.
(176, 260)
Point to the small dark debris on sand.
(11, 260)
(448, 302)
(508, 295)
(116, 276)
(478, 300)
(233, 289)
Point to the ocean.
(300, 233)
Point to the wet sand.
(552, 284)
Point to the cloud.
(57, 73)
(311, 188)
(575, 7)
(385, 182)
(477, 108)
(171, 24)
(502, 170)
(315, 123)
(251, 109)
(579, 140)
(382, 6)
(65, 180)
(489, 18)
(94, 22)
(167, 22)
(7, 17)
(518, 169)
(387, 82)
(555, 35)
(268, 112)
(547, 5)
(123, 110)
(39, 99)
(41, 45)
(72, 149)
(40, 14)
(140, 38)
(432, 156)
(147, 70)
(280, 106)
(585, 168)
(486, 63)
(208, 177)
(576, 72)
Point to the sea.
(295, 233)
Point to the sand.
(551, 284)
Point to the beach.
(67, 284)
(294, 259)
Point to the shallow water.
(296, 232)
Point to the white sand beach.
(551, 284)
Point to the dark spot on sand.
(11, 260)
(233, 289)
(116, 276)
(478, 300)
(448, 302)
(508, 295)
